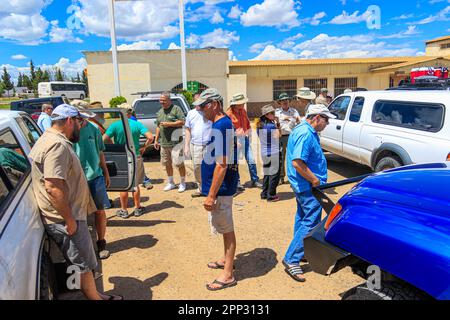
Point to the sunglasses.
(79, 119)
(205, 104)
(324, 117)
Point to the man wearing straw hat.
(306, 97)
(241, 123)
(288, 118)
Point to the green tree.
(2, 91)
(59, 75)
(37, 78)
(78, 78)
(20, 80)
(26, 81)
(114, 102)
(84, 79)
(46, 77)
(32, 71)
(6, 81)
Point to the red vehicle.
(441, 73)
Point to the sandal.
(293, 271)
(216, 265)
(222, 285)
(112, 297)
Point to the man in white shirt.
(289, 118)
(197, 135)
(45, 121)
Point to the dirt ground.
(163, 254)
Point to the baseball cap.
(324, 90)
(320, 109)
(127, 107)
(64, 111)
(210, 94)
(283, 96)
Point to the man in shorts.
(116, 132)
(62, 194)
(90, 152)
(219, 181)
(169, 123)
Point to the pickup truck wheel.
(386, 163)
(81, 96)
(47, 279)
(388, 291)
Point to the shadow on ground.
(144, 241)
(136, 223)
(136, 289)
(255, 263)
(167, 204)
(284, 196)
(349, 170)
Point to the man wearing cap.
(169, 122)
(322, 98)
(62, 193)
(307, 168)
(197, 135)
(44, 121)
(219, 182)
(90, 152)
(241, 123)
(116, 132)
(288, 118)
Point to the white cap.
(320, 109)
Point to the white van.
(388, 129)
(70, 90)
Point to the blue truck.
(394, 225)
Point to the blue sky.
(55, 32)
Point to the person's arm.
(305, 172)
(187, 141)
(176, 124)
(156, 143)
(105, 169)
(107, 139)
(46, 123)
(148, 142)
(218, 177)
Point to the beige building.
(261, 81)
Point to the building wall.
(434, 49)
(151, 70)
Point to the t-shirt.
(269, 145)
(53, 157)
(171, 114)
(288, 119)
(117, 133)
(199, 126)
(44, 121)
(88, 151)
(304, 144)
(222, 143)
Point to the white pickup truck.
(26, 267)
(388, 129)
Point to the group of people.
(70, 175)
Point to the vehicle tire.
(389, 162)
(47, 279)
(82, 96)
(388, 291)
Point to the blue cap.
(64, 111)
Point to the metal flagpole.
(183, 45)
(114, 47)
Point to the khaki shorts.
(172, 155)
(140, 170)
(221, 218)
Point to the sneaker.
(197, 194)
(240, 187)
(102, 252)
(170, 186)
(148, 185)
(182, 187)
(273, 199)
(138, 211)
(257, 184)
(122, 214)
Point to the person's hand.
(71, 226)
(209, 203)
(187, 151)
(315, 183)
(156, 145)
(107, 180)
(142, 150)
(165, 124)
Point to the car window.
(14, 165)
(149, 108)
(355, 113)
(29, 130)
(412, 115)
(339, 107)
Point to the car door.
(120, 153)
(352, 131)
(331, 137)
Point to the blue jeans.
(98, 193)
(245, 146)
(308, 216)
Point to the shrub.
(117, 101)
(188, 96)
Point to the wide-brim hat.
(82, 107)
(305, 93)
(238, 99)
(128, 108)
(283, 96)
(267, 109)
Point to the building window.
(340, 84)
(287, 86)
(316, 84)
(445, 46)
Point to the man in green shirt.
(169, 123)
(116, 132)
(90, 152)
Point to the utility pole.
(112, 20)
(183, 45)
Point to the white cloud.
(216, 18)
(23, 28)
(258, 47)
(19, 57)
(346, 18)
(210, 2)
(58, 34)
(411, 31)
(403, 17)
(290, 41)
(235, 12)
(272, 13)
(231, 56)
(315, 20)
(272, 53)
(173, 46)
(218, 38)
(141, 45)
(443, 15)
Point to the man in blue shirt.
(219, 181)
(307, 168)
(45, 121)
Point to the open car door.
(120, 153)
